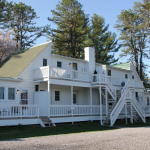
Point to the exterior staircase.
(127, 99)
(47, 121)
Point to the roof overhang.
(11, 79)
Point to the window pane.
(1, 92)
(44, 62)
(11, 93)
(59, 64)
(126, 76)
(57, 96)
(109, 72)
(75, 67)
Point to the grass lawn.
(16, 132)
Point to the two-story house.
(37, 83)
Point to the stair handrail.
(111, 87)
(118, 107)
(139, 109)
(125, 87)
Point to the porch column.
(106, 98)
(101, 115)
(126, 113)
(72, 103)
(49, 96)
(91, 100)
(131, 118)
(72, 95)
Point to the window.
(44, 62)
(1, 92)
(57, 95)
(36, 87)
(74, 98)
(59, 64)
(109, 73)
(148, 101)
(126, 76)
(24, 97)
(11, 93)
(74, 66)
(132, 77)
(136, 94)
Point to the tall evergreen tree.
(134, 37)
(103, 41)
(21, 21)
(72, 28)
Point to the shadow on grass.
(123, 123)
(16, 132)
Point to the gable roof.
(125, 66)
(17, 63)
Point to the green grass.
(16, 132)
(122, 123)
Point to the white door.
(42, 100)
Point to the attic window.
(44, 62)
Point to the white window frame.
(14, 94)
(4, 92)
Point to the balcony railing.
(60, 73)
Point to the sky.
(108, 9)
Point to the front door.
(24, 97)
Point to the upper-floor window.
(126, 76)
(59, 64)
(44, 62)
(74, 66)
(109, 73)
(132, 77)
(1, 92)
(148, 101)
(11, 93)
(74, 98)
(57, 95)
(36, 87)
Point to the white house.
(37, 84)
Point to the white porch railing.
(98, 78)
(19, 111)
(48, 72)
(78, 110)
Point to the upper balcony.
(59, 73)
(43, 73)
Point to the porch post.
(131, 119)
(106, 98)
(49, 96)
(91, 100)
(72, 103)
(101, 115)
(126, 113)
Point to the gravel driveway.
(119, 139)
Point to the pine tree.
(103, 41)
(134, 38)
(21, 20)
(72, 27)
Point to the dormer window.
(44, 62)
(59, 64)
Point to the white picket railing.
(19, 111)
(48, 72)
(76, 110)
(99, 78)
